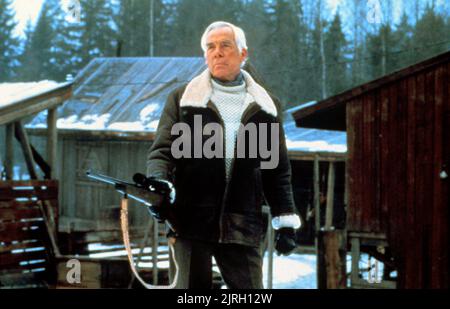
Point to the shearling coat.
(206, 206)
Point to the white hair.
(239, 35)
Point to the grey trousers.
(240, 266)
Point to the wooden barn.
(398, 166)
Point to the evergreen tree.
(430, 36)
(335, 47)
(47, 53)
(9, 44)
(356, 11)
(193, 16)
(40, 51)
(97, 37)
(164, 17)
(315, 61)
(254, 20)
(380, 52)
(26, 58)
(283, 54)
(67, 46)
(132, 22)
(134, 29)
(404, 54)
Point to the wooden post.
(317, 218)
(334, 259)
(330, 198)
(354, 275)
(346, 187)
(9, 155)
(155, 244)
(27, 153)
(316, 194)
(270, 249)
(320, 264)
(52, 140)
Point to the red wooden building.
(398, 166)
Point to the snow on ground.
(297, 271)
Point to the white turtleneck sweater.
(230, 101)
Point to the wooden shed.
(398, 166)
(29, 208)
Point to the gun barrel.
(106, 179)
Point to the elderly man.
(218, 204)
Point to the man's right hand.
(159, 212)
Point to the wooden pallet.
(25, 248)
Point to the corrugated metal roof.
(311, 140)
(128, 94)
(123, 94)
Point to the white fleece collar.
(199, 90)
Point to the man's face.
(222, 54)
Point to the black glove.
(285, 240)
(159, 212)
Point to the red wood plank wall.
(398, 143)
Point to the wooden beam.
(40, 162)
(155, 244)
(38, 159)
(33, 105)
(9, 155)
(52, 140)
(316, 194)
(346, 187)
(330, 197)
(27, 153)
(322, 156)
(98, 135)
(317, 217)
(270, 249)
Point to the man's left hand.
(285, 240)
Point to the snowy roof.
(18, 100)
(312, 140)
(122, 94)
(13, 92)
